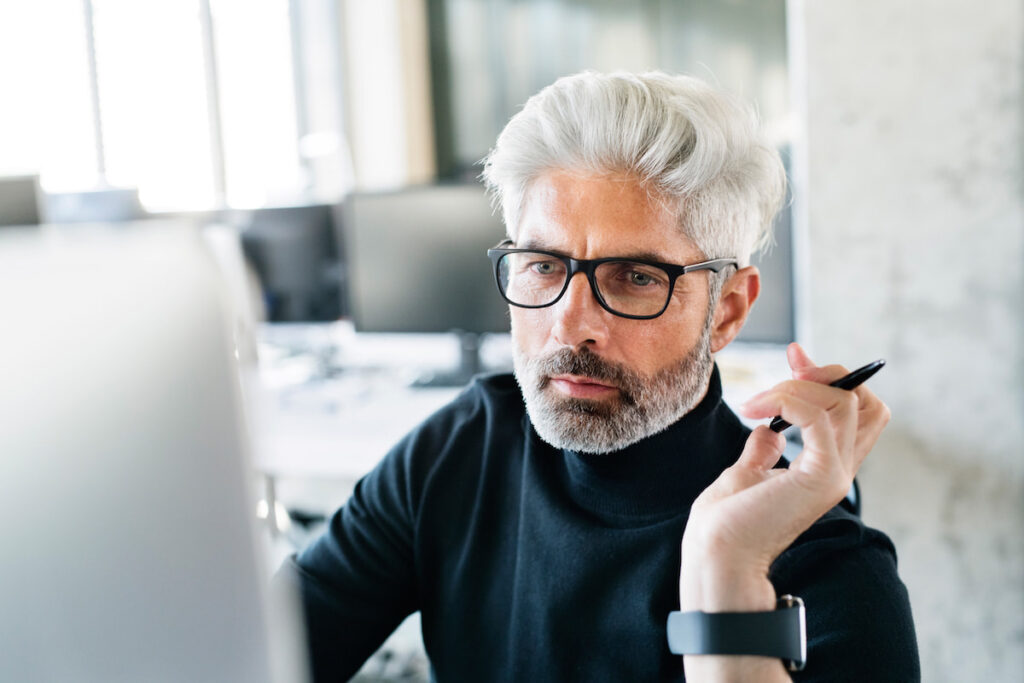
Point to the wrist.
(708, 583)
(726, 594)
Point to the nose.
(579, 318)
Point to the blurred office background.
(325, 142)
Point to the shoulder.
(488, 411)
(837, 532)
(832, 547)
(859, 619)
(489, 393)
(489, 402)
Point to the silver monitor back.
(128, 541)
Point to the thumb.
(762, 450)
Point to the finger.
(798, 358)
(870, 408)
(856, 425)
(760, 454)
(872, 417)
(872, 413)
(762, 450)
(825, 426)
(840, 405)
(804, 368)
(825, 374)
(813, 392)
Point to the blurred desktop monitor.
(107, 205)
(294, 251)
(130, 538)
(773, 318)
(417, 262)
(19, 200)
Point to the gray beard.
(645, 405)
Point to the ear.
(738, 296)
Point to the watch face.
(793, 602)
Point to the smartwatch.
(782, 633)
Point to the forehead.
(592, 216)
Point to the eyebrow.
(633, 256)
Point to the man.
(551, 541)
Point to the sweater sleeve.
(357, 581)
(859, 622)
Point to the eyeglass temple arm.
(713, 265)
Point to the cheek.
(650, 350)
(528, 330)
(658, 346)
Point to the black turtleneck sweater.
(534, 564)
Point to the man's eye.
(545, 267)
(640, 279)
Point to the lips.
(576, 386)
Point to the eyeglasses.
(630, 288)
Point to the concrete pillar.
(910, 209)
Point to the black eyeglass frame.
(589, 267)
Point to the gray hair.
(695, 148)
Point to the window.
(252, 43)
(199, 103)
(153, 104)
(46, 122)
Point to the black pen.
(848, 382)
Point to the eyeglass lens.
(629, 287)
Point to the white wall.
(911, 208)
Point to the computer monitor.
(295, 253)
(110, 204)
(19, 200)
(417, 262)
(130, 551)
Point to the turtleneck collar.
(661, 475)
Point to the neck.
(664, 472)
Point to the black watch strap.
(782, 633)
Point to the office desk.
(340, 441)
(326, 404)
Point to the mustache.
(585, 362)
